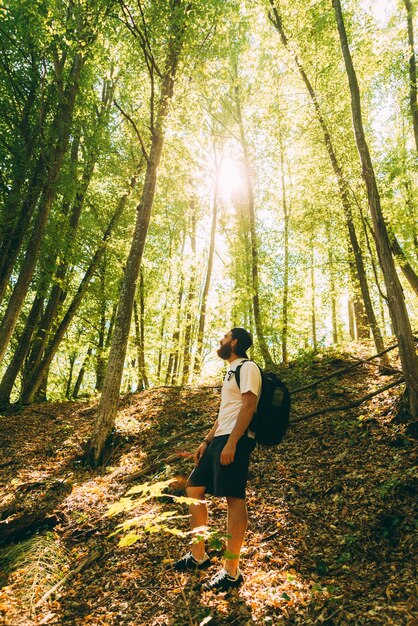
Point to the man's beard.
(225, 351)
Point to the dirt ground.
(332, 517)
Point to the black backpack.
(271, 420)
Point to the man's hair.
(244, 341)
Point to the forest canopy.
(171, 169)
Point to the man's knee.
(237, 506)
(197, 493)
(237, 503)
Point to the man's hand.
(200, 452)
(228, 453)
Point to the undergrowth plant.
(154, 520)
(40, 562)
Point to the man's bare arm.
(249, 405)
(201, 449)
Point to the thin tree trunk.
(140, 384)
(396, 301)
(62, 328)
(342, 184)
(162, 331)
(103, 347)
(203, 304)
(172, 370)
(13, 240)
(81, 374)
(142, 327)
(351, 320)
(57, 295)
(48, 195)
(362, 330)
(58, 292)
(412, 70)
(160, 351)
(190, 299)
(72, 358)
(313, 303)
(111, 388)
(333, 295)
(286, 218)
(268, 361)
(404, 264)
(140, 335)
(100, 360)
(20, 353)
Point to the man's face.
(225, 350)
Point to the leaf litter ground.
(332, 518)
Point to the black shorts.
(223, 480)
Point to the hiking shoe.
(222, 581)
(188, 562)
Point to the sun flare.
(231, 178)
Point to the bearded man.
(222, 461)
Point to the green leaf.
(129, 540)
(230, 555)
(124, 504)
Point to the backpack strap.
(238, 370)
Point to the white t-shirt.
(231, 396)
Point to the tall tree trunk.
(163, 326)
(50, 351)
(58, 292)
(313, 302)
(412, 69)
(190, 298)
(396, 301)
(362, 329)
(404, 264)
(19, 356)
(111, 388)
(333, 293)
(72, 358)
(140, 335)
(57, 295)
(173, 359)
(351, 320)
(103, 346)
(342, 185)
(48, 195)
(411, 207)
(81, 374)
(286, 219)
(268, 361)
(174, 353)
(13, 240)
(209, 267)
(160, 350)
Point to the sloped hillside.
(331, 538)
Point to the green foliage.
(229, 47)
(152, 520)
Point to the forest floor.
(332, 519)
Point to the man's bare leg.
(198, 517)
(237, 525)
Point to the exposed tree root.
(345, 370)
(351, 405)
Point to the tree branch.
(344, 370)
(351, 405)
(134, 126)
